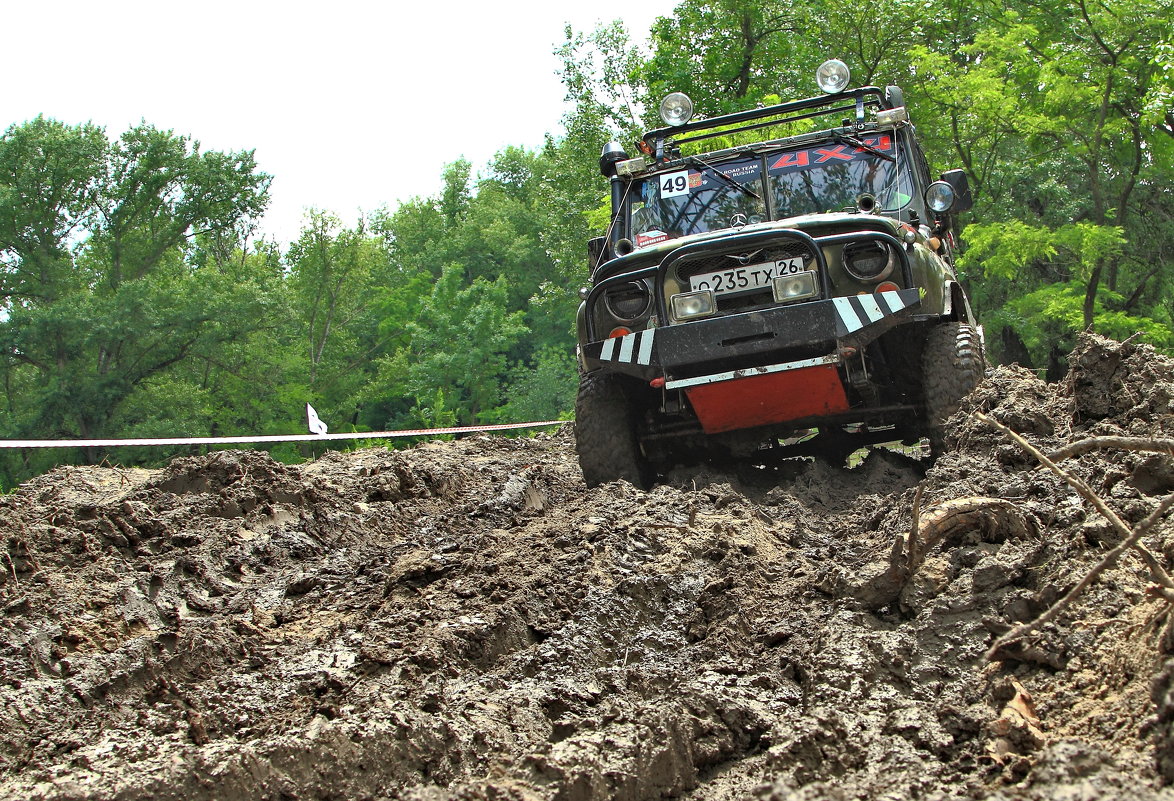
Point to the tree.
(1052, 115)
(459, 341)
(101, 296)
(726, 55)
(49, 175)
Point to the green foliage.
(99, 292)
(1049, 319)
(459, 339)
(1004, 250)
(98, 295)
(435, 413)
(542, 390)
(49, 176)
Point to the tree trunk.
(1090, 296)
(1014, 349)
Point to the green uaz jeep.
(784, 296)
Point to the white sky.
(349, 105)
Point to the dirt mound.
(466, 620)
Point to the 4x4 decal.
(815, 156)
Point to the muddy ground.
(466, 620)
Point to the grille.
(712, 262)
(721, 260)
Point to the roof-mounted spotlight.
(832, 76)
(613, 154)
(676, 109)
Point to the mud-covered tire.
(605, 432)
(952, 364)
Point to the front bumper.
(776, 339)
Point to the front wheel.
(605, 432)
(952, 364)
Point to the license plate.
(747, 278)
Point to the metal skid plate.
(769, 398)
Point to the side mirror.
(963, 200)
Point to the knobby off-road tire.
(952, 364)
(605, 432)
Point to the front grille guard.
(737, 242)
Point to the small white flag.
(316, 425)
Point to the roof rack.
(852, 101)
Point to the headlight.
(629, 301)
(676, 109)
(832, 76)
(939, 196)
(869, 261)
(798, 286)
(691, 305)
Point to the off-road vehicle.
(790, 295)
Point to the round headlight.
(629, 301)
(676, 109)
(868, 261)
(832, 76)
(939, 196)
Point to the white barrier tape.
(111, 443)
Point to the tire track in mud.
(466, 620)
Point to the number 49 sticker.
(674, 183)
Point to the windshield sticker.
(650, 238)
(835, 154)
(716, 174)
(742, 172)
(674, 183)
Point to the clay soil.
(466, 620)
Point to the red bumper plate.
(764, 399)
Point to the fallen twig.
(1142, 444)
(1085, 491)
(960, 515)
(1131, 540)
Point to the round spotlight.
(832, 76)
(868, 261)
(939, 196)
(628, 302)
(676, 109)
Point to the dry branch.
(994, 517)
(1141, 444)
(954, 518)
(1131, 539)
(914, 532)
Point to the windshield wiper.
(854, 142)
(728, 179)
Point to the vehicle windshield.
(783, 183)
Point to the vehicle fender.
(934, 276)
(957, 305)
